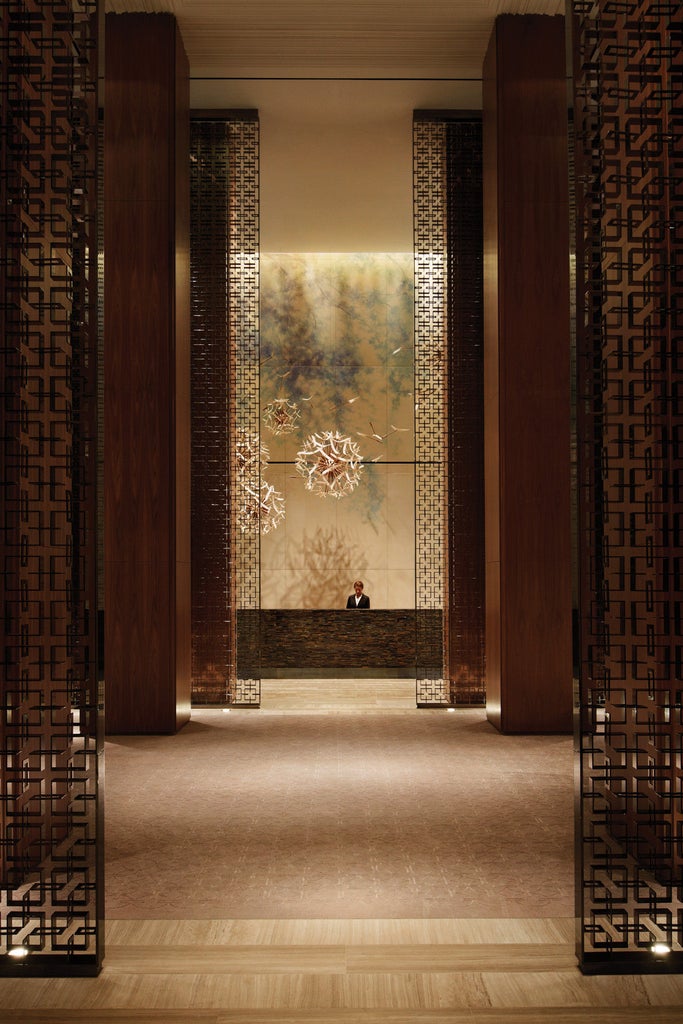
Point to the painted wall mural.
(337, 345)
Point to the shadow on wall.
(331, 559)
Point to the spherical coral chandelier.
(250, 454)
(262, 510)
(330, 464)
(281, 416)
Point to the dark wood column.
(147, 429)
(526, 377)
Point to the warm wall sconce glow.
(330, 464)
(18, 952)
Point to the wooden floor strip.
(449, 958)
(329, 959)
(342, 972)
(541, 1015)
(341, 932)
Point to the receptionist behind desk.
(359, 599)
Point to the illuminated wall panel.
(337, 344)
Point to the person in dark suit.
(359, 599)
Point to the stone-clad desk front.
(335, 642)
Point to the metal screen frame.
(430, 248)
(51, 727)
(225, 399)
(628, 99)
(449, 448)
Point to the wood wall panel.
(147, 376)
(527, 377)
(183, 558)
(491, 385)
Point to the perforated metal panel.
(449, 409)
(225, 399)
(212, 618)
(429, 210)
(465, 332)
(51, 900)
(629, 157)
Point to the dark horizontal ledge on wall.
(220, 114)
(341, 672)
(447, 115)
(329, 643)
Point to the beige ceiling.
(386, 39)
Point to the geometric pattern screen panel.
(629, 167)
(51, 848)
(212, 614)
(224, 266)
(465, 375)
(449, 489)
(432, 685)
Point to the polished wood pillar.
(147, 426)
(526, 377)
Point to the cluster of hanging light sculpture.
(330, 464)
(250, 453)
(262, 510)
(281, 416)
(261, 506)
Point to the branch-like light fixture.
(249, 451)
(330, 464)
(281, 416)
(264, 510)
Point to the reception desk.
(336, 642)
